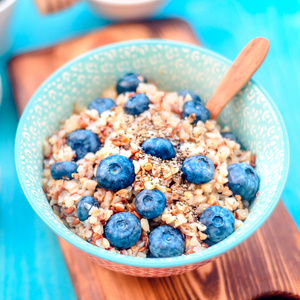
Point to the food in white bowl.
(143, 172)
(126, 10)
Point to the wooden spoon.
(237, 76)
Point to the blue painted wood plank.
(31, 262)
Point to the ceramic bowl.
(251, 115)
(6, 9)
(126, 10)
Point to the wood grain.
(40, 64)
(238, 75)
(265, 264)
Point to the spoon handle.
(237, 76)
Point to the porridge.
(145, 173)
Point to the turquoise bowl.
(251, 115)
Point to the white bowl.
(125, 10)
(6, 9)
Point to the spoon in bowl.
(237, 76)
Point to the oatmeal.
(147, 164)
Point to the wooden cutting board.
(266, 264)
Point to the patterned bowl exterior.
(251, 115)
(145, 272)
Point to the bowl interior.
(251, 115)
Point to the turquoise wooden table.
(31, 263)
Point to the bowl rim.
(4, 4)
(151, 262)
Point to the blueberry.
(115, 172)
(159, 147)
(219, 223)
(193, 96)
(123, 230)
(84, 206)
(209, 242)
(82, 142)
(243, 180)
(195, 107)
(137, 104)
(129, 82)
(102, 104)
(198, 169)
(166, 241)
(150, 204)
(232, 137)
(150, 255)
(63, 169)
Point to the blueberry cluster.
(116, 172)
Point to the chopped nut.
(93, 220)
(148, 167)
(253, 160)
(190, 251)
(105, 243)
(69, 210)
(90, 184)
(241, 214)
(88, 234)
(237, 224)
(145, 225)
(136, 214)
(137, 166)
(76, 222)
(149, 185)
